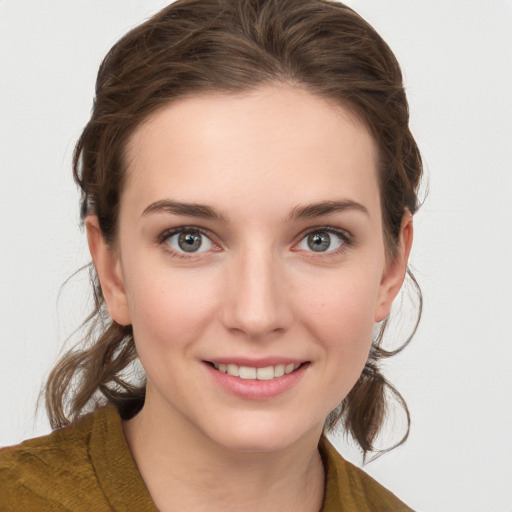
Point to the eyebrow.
(325, 208)
(207, 212)
(189, 209)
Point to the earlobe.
(107, 264)
(394, 274)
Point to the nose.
(256, 301)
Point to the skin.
(254, 290)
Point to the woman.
(248, 183)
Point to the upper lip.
(256, 363)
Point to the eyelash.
(162, 239)
(345, 237)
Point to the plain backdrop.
(456, 375)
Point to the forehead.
(279, 144)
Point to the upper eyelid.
(164, 235)
(344, 233)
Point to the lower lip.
(257, 389)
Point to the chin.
(261, 435)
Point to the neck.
(184, 470)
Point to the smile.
(257, 380)
(251, 373)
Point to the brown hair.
(197, 46)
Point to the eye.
(189, 241)
(322, 241)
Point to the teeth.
(289, 368)
(278, 370)
(233, 369)
(250, 373)
(265, 373)
(246, 372)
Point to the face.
(250, 261)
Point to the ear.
(108, 266)
(395, 271)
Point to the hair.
(195, 47)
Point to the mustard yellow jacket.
(88, 467)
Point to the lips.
(256, 373)
(257, 379)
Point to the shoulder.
(53, 472)
(350, 488)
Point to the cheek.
(340, 317)
(343, 304)
(169, 309)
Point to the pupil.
(190, 241)
(319, 242)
